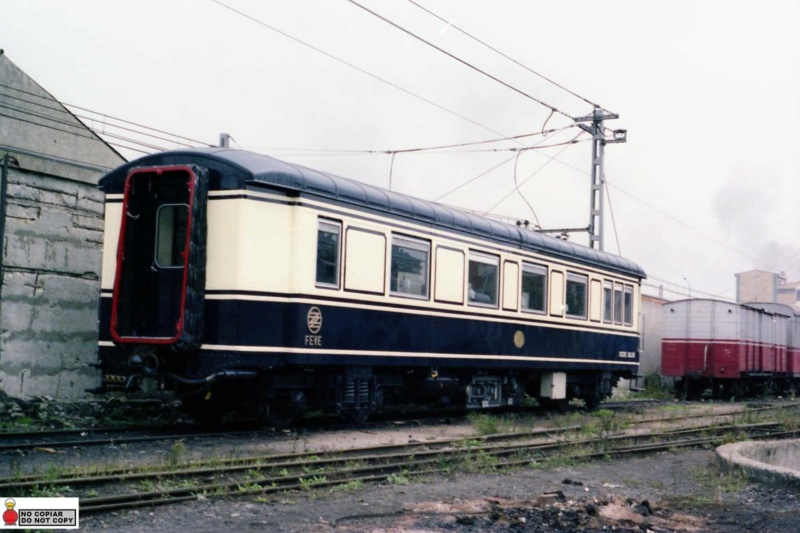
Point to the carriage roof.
(236, 169)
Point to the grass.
(711, 485)
(488, 424)
(485, 424)
(655, 388)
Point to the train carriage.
(730, 349)
(233, 276)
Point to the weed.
(485, 424)
(481, 461)
(308, 482)
(350, 486)
(398, 479)
(146, 486)
(248, 487)
(49, 491)
(177, 454)
(655, 388)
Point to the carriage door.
(160, 279)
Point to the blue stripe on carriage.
(246, 325)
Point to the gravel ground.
(676, 491)
(666, 492)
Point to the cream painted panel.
(249, 246)
(365, 261)
(449, 286)
(304, 251)
(222, 244)
(111, 227)
(510, 286)
(557, 295)
(596, 301)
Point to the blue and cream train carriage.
(238, 279)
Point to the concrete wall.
(52, 242)
(48, 304)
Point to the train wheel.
(562, 406)
(363, 412)
(280, 415)
(592, 401)
(203, 408)
(282, 410)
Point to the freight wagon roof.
(251, 168)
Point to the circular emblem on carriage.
(519, 339)
(314, 320)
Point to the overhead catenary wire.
(462, 61)
(550, 160)
(83, 127)
(680, 289)
(438, 148)
(516, 188)
(613, 220)
(353, 66)
(683, 223)
(492, 48)
(485, 172)
(75, 106)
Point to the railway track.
(111, 436)
(125, 488)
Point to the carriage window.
(483, 280)
(328, 239)
(576, 295)
(628, 311)
(533, 287)
(617, 303)
(172, 222)
(608, 302)
(410, 266)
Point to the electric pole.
(599, 141)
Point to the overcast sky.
(709, 91)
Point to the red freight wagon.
(731, 349)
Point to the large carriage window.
(628, 312)
(483, 280)
(608, 302)
(534, 278)
(172, 221)
(328, 239)
(410, 266)
(617, 303)
(576, 295)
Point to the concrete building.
(758, 286)
(789, 293)
(51, 228)
(761, 286)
